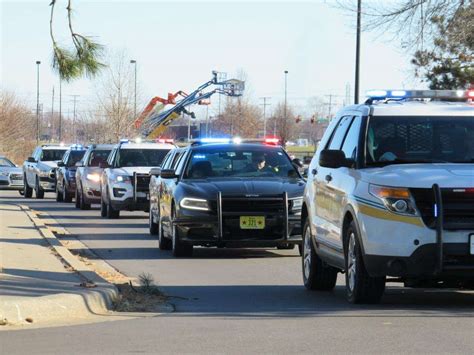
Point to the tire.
(163, 242)
(152, 226)
(59, 195)
(286, 247)
(66, 195)
(27, 190)
(103, 208)
(360, 286)
(77, 202)
(83, 205)
(111, 212)
(38, 192)
(179, 248)
(316, 275)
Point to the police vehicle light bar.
(419, 94)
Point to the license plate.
(471, 243)
(252, 222)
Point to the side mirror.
(60, 163)
(79, 164)
(31, 160)
(297, 162)
(103, 165)
(155, 171)
(168, 174)
(334, 159)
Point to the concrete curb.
(96, 297)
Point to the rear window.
(141, 157)
(4, 162)
(75, 156)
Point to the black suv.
(226, 195)
(66, 173)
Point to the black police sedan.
(226, 195)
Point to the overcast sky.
(177, 44)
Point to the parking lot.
(249, 299)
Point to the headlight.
(194, 204)
(3, 173)
(122, 178)
(46, 173)
(93, 177)
(398, 200)
(296, 204)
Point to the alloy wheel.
(351, 262)
(307, 253)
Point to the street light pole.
(286, 85)
(357, 63)
(37, 100)
(134, 62)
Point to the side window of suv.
(340, 133)
(349, 147)
(165, 161)
(37, 154)
(111, 158)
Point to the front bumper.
(47, 183)
(221, 227)
(8, 183)
(130, 204)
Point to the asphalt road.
(242, 301)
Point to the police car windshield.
(75, 156)
(52, 154)
(410, 140)
(98, 156)
(4, 162)
(241, 162)
(141, 157)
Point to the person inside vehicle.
(258, 164)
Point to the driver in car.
(258, 164)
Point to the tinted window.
(52, 154)
(244, 162)
(340, 133)
(98, 156)
(165, 161)
(75, 156)
(4, 162)
(349, 147)
(420, 139)
(141, 157)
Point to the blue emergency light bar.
(419, 94)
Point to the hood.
(11, 169)
(421, 175)
(47, 165)
(243, 187)
(132, 169)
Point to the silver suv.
(390, 192)
(125, 179)
(88, 175)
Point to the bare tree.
(17, 128)
(285, 127)
(239, 118)
(116, 99)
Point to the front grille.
(143, 182)
(458, 208)
(3, 182)
(272, 207)
(16, 177)
(47, 179)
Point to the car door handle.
(314, 171)
(328, 178)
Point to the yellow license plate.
(252, 222)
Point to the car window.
(111, 158)
(37, 154)
(4, 162)
(141, 157)
(52, 154)
(340, 133)
(74, 157)
(178, 165)
(239, 162)
(175, 160)
(97, 156)
(167, 158)
(420, 139)
(349, 147)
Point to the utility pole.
(60, 108)
(74, 118)
(264, 114)
(330, 106)
(134, 62)
(357, 62)
(37, 101)
(189, 127)
(52, 114)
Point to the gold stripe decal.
(378, 213)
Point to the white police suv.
(125, 179)
(390, 192)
